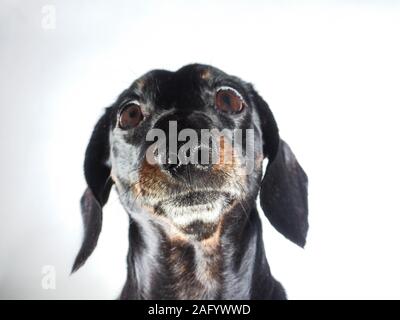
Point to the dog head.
(187, 146)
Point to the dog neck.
(165, 263)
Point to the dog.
(194, 232)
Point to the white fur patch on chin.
(184, 216)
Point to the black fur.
(238, 266)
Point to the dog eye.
(130, 116)
(229, 100)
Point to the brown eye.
(130, 116)
(229, 100)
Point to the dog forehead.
(162, 86)
(185, 73)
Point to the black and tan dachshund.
(195, 232)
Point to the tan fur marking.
(228, 161)
(152, 180)
(212, 243)
(205, 74)
(140, 84)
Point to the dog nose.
(184, 152)
(197, 158)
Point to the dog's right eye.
(130, 116)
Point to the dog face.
(200, 100)
(212, 133)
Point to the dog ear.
(97, 175)
(283, 193)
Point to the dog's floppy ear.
(97, 174)
(283, 193)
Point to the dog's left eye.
(229, 100)
(130, 116)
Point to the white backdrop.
(330, 72)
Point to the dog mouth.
(201, 202)
(196, 198)
(204, 207)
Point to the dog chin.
(195, 208)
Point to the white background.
(330, 72)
